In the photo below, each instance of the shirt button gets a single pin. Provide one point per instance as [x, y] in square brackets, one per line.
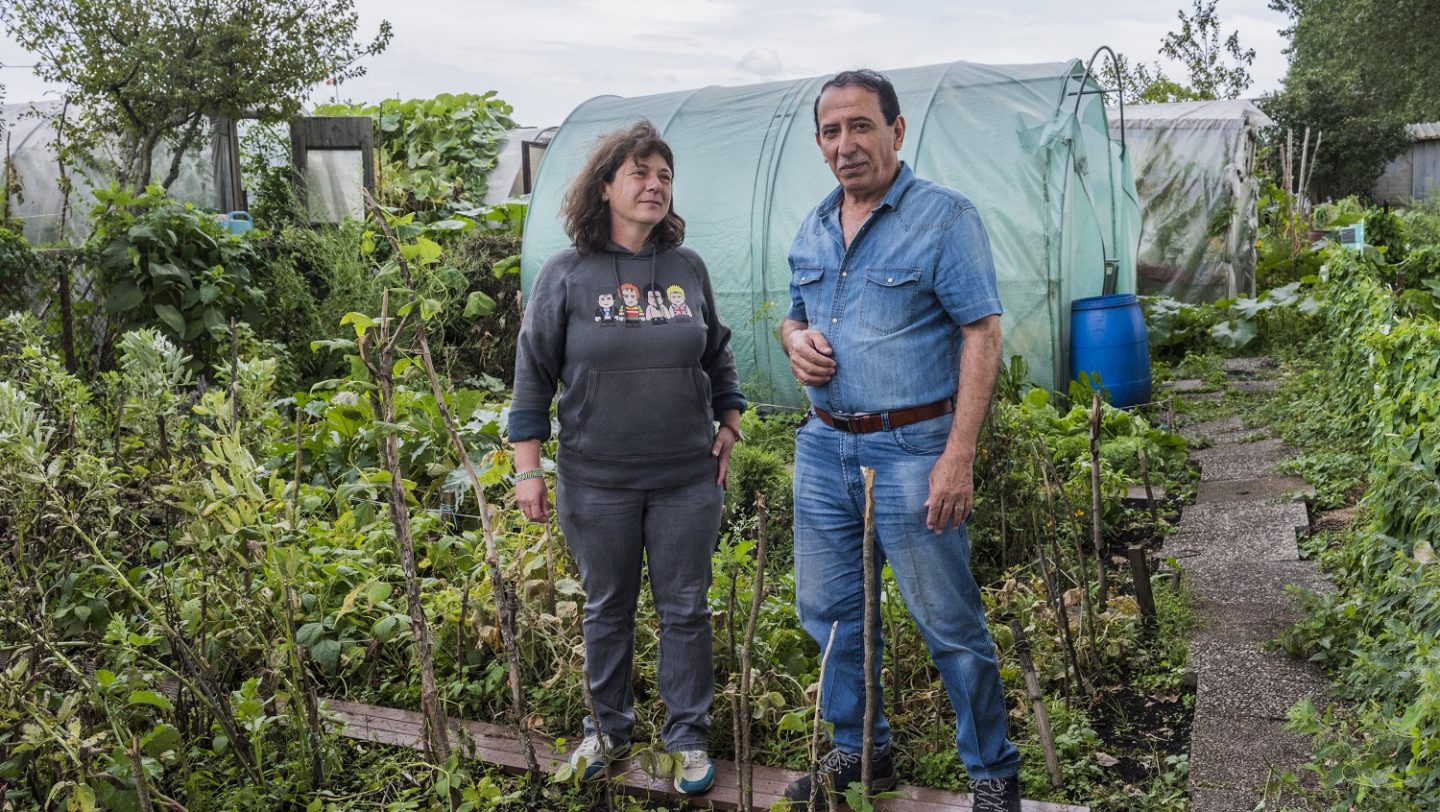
[834, 321]
[844, 273]
[889, 279]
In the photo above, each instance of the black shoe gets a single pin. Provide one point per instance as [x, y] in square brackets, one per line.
[997, 795]
[837, 771]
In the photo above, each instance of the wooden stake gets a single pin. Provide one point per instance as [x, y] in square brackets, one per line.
[746, 765]
[1037, 702]
[867, 747]
[1140, 573]
[1096, 508]
[1149, 492]
[67, 318]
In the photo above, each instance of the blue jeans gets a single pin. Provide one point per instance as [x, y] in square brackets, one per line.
[932, 571]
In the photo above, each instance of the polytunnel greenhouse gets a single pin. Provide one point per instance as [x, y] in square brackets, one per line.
[1022, 141]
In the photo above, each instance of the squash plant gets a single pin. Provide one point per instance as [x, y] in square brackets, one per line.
[164, 264]
[435, 153]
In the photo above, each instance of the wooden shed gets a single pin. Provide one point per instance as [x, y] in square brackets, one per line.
[1415, 173]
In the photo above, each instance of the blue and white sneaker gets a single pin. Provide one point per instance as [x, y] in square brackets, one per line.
[594, 759]
[697, 774]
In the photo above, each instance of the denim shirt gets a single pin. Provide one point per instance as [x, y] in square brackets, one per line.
[892, 305]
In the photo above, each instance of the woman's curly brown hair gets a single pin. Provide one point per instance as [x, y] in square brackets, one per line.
[587, 215]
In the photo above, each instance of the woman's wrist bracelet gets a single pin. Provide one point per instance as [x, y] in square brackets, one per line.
[529, 473]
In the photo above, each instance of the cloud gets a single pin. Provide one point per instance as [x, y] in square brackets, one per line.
[761, 62]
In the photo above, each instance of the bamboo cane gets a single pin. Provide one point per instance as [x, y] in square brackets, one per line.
[1037, 702]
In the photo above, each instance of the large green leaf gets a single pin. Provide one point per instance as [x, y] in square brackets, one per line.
[123, 296]
[151, 698]
[172, 318]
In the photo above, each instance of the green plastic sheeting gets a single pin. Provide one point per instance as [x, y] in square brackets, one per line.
[1055, 193]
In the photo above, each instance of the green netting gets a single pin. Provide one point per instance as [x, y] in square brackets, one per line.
[1056, 196]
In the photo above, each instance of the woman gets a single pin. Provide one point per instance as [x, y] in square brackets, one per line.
[622, 497]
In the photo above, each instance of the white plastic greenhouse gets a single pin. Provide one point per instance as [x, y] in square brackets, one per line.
[1032, 153]
[38, 201]
[1194, 171]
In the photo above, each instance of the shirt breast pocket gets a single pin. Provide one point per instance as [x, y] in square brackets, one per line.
[887, 300]
[807, 280]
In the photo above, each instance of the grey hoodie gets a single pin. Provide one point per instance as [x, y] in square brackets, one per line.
[645, 362]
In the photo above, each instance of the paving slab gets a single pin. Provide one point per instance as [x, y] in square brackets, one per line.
[1258, 582]
[1236, 677]
[1275, 490]
[1206, 799]
[1255, 386]
[1135, 494]
[1237, 532]
[1244, 755]
[1186, 385]
[1201, 396]
[1259, 366]
[1242, 460]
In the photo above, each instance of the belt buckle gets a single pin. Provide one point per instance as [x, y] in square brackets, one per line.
[841, 421]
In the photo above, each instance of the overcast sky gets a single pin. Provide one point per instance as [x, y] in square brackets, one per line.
[547, 56]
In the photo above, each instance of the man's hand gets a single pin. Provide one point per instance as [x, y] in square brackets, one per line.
[952, 491]
[810, 355]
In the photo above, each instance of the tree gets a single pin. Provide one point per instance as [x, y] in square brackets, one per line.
[1359, 71]
[143, 71]
[1218, 69]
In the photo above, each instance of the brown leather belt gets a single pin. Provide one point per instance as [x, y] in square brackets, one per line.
[881, 421]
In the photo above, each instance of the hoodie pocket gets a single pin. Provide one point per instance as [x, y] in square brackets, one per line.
[637, 413]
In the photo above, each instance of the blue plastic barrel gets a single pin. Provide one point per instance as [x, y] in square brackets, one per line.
[1108, 340]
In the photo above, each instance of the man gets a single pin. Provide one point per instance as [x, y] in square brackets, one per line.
[894, 329]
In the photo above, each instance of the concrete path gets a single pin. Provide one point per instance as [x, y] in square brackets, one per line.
[1237, 548]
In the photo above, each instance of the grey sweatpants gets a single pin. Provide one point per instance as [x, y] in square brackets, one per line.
[609, 532]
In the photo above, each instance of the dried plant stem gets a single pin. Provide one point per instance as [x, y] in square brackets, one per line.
[1097, 525]
[437, 738]
[599, 735]
[815, 730]
[1149, 491]
[492, 552]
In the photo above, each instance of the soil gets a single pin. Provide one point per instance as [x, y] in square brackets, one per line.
[1141, 729]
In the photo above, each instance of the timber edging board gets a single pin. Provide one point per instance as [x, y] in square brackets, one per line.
[496, 744]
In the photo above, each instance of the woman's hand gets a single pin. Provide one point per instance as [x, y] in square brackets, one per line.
[725, 439]
[534, 499]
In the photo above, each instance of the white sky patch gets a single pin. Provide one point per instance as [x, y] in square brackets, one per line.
[762, 62]
[548, 56]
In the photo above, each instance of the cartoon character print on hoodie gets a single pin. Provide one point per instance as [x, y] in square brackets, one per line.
[630, 309]
[655, 308]
[678, 309]
[605, 311]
